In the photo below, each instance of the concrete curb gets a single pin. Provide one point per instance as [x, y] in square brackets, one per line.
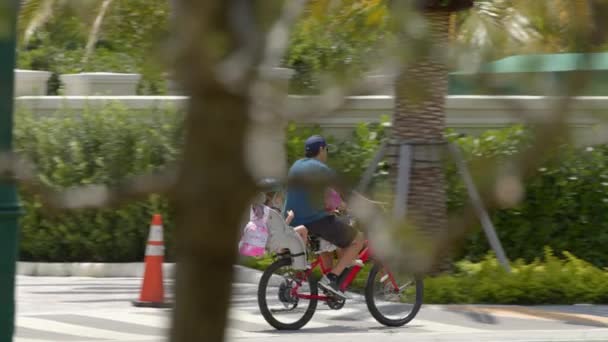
[86, 269]
[109, 270]
[246, 275]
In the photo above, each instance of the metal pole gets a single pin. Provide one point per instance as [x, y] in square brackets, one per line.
[486, 223]
[9, 207]
[403, 181]
[369, 172]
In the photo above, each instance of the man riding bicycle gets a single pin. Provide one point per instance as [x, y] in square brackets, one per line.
[309, 178]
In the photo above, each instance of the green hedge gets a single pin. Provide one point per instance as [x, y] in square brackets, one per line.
[97, 146]
[552, 280]
[565, 205]
[547, 280]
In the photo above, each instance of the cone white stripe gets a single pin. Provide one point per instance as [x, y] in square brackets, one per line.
[152, 250]
[156, 233]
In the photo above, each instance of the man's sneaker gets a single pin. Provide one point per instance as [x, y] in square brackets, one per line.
[329, 283]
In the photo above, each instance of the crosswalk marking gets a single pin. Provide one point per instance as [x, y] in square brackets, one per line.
[323, 318]
[112, 318]
[257, 326]
[160, 320]
[72, 329]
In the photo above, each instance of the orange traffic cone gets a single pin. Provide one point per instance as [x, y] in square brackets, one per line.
[152, 291]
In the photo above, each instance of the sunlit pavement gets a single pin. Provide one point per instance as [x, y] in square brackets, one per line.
[99, 309]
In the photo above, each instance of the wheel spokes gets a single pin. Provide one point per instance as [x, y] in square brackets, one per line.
[393, 294]
[283, 295]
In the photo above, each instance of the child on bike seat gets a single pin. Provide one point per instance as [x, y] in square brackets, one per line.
[275, 200]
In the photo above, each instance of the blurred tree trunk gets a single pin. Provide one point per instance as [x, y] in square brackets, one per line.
[598, 16]
[213, 184]
[419, 118]
[212, 192]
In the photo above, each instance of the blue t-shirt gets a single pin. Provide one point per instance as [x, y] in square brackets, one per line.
[307, 202]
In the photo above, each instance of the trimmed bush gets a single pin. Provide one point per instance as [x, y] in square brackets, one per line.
[552, 280]
[547, 280]
[565, 205]
[101, 146]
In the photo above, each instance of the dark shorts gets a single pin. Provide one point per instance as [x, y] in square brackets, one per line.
[333, 230]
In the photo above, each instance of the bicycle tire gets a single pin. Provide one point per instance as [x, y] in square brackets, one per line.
[373, 309]
[262, 303]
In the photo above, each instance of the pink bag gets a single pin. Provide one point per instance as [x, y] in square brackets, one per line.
[255, 235]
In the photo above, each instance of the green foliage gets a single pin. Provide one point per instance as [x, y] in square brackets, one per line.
[546, 280]
[565, 204]
[131, 34]
[257, 263]
[483, 154]
[552, 280]
[355, 154]
[339, 39]
[97, 146]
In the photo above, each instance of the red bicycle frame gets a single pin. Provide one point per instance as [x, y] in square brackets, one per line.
[364, 256]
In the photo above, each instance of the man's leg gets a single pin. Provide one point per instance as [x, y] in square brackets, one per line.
[326, 253]
[349, 254]
[328, 260]
[343, 236]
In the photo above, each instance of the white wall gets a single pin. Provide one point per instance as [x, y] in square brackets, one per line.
[467, 114]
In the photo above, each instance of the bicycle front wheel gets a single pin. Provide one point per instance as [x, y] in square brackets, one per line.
[286, 297]
[393, 299]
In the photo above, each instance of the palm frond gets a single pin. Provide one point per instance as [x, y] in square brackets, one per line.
[495, 24]
[96, 29]
[33, 15]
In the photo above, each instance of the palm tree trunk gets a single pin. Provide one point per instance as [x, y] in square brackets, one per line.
[420, 118]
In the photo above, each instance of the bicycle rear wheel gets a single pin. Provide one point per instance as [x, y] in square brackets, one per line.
[393, 299]
[277, 296]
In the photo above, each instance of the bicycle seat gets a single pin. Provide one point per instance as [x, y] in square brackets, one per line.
[281, 236]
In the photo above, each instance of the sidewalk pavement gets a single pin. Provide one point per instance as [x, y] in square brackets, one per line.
[593, 315]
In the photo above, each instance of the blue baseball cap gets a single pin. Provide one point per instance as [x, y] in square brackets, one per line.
[315, 143]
